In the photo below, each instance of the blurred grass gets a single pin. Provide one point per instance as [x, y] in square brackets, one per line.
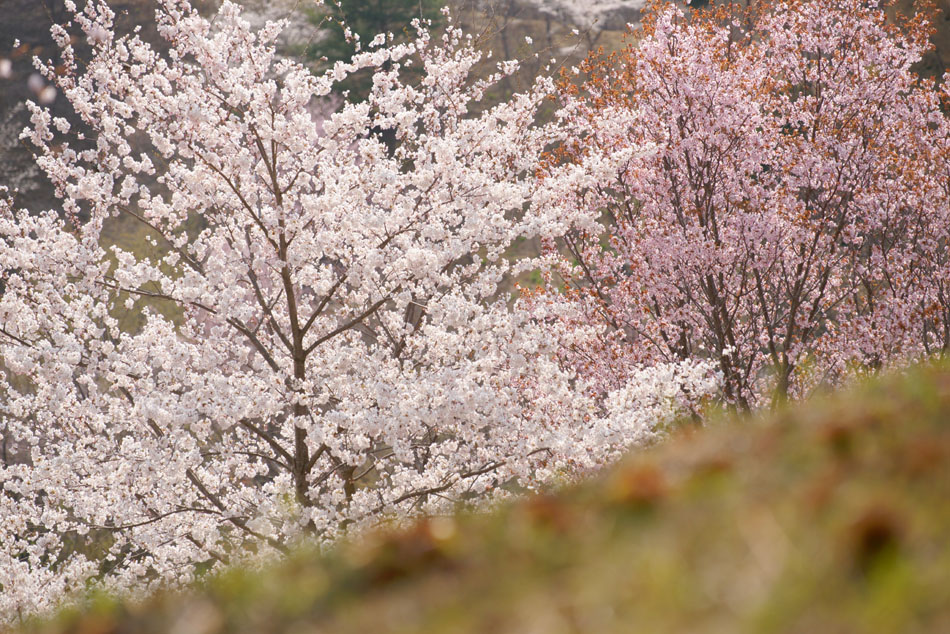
[828, 516]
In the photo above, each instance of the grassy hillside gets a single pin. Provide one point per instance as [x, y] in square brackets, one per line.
[828, 517]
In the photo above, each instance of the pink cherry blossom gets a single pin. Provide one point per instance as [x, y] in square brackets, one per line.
[765, 189]
[327, 339]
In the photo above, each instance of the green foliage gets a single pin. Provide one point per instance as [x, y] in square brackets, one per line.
[366, 19]
[829, 516]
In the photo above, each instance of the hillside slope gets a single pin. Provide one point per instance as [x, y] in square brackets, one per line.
[826, 517]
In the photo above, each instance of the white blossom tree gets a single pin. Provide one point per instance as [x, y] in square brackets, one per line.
[325, 337]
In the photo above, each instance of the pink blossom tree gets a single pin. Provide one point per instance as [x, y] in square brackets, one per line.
[327, 340]
[330, 302]
[790, 222]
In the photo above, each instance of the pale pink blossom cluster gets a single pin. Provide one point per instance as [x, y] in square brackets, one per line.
[327, 341]
[774, 188]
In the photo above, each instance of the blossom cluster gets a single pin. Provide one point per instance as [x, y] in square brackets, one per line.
[766, 189]
[326, 338]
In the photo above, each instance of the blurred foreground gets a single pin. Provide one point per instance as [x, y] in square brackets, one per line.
[830, 516]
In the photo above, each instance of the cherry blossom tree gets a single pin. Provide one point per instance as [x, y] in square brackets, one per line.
[327, 340]
[790, 222]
